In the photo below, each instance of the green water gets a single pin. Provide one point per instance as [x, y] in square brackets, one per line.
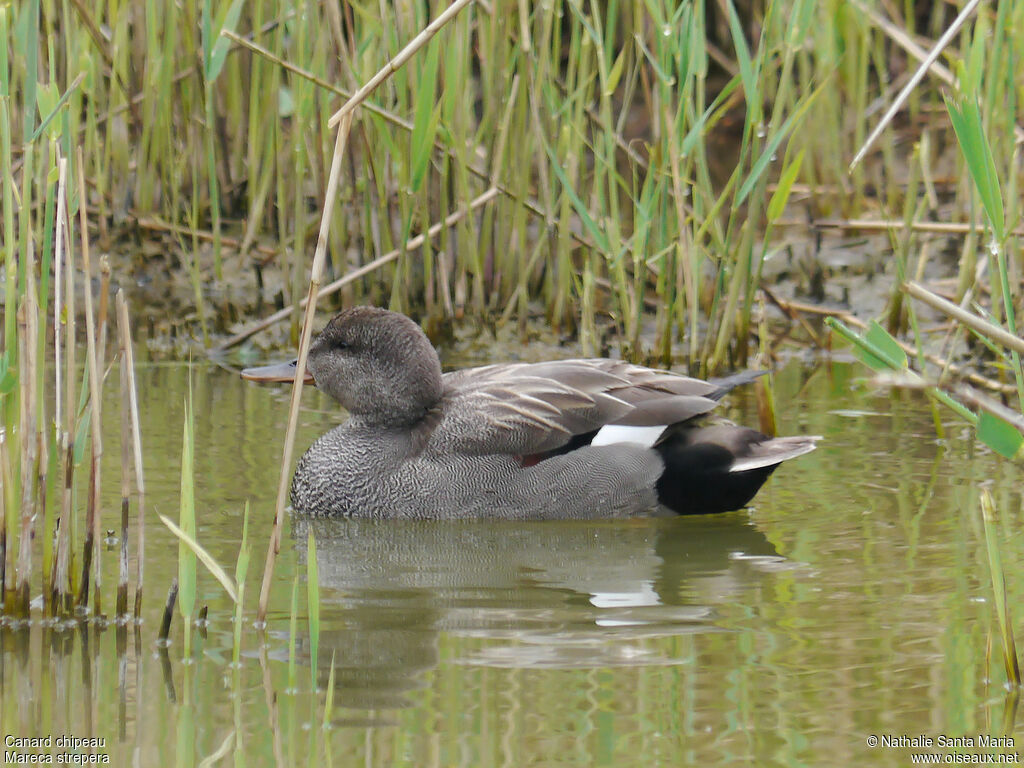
[852, 599]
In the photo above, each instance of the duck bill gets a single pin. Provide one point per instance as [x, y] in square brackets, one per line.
[279, 372]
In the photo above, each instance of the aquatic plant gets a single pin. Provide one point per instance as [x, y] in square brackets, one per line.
[499, 175]
[313, 606]
[187, 526]
[241, 568]
[1007, 644]
[1000, 427]
[596, 126]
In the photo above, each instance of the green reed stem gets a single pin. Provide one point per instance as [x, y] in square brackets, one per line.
[313, 606]
[1009, 647]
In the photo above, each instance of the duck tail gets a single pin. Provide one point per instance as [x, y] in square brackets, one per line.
[721, 468]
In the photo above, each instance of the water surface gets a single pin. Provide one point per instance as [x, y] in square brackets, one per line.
[852, 599]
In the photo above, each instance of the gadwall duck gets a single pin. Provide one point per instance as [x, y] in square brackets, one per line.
[565, 439]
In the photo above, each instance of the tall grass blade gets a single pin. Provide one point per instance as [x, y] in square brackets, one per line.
[187, 528]
[91, 550]
[329, 698]
[398, 61]
[27, 323]
[1000, 436]
[126, 457]
[597, 232]
[426, 117]
[779, 198]
[877, 349]
[55, 108]
[136, 445]
[241, 568]
[62, 596]
[293, 629]
[313, 604]
[965, 115]
[216, 569]
[219, 47]
[316, 272]
[1009, 647]
[748, 75]
[163, 636]
[27, 33]
[8, 377]
[916, 78]
[768, 154]
[7, 505]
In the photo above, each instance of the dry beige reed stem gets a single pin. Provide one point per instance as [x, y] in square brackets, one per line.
[906, 42]
[939, 227]
[343, 119]
[126, 451]
[92, 533]
[5, 507]
[319, 258]
[104, 311]
[416, 242]
[916, 78]
[28, 321]
[58, 263]
[124, 328]
[484, 174]
[979, 402]
[60, 583]
[982, 326]
[399, 60]
[794, 309]
[60, 240]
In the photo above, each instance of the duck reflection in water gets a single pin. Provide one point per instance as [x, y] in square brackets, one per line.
[557, 594]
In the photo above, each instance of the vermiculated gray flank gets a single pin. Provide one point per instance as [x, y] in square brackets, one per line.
[513, 440]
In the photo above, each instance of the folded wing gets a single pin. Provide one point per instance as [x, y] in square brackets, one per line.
[533, 408]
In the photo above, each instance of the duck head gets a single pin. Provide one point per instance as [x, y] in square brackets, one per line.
[378, 365]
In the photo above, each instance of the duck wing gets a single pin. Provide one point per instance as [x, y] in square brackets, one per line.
[532, 408]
